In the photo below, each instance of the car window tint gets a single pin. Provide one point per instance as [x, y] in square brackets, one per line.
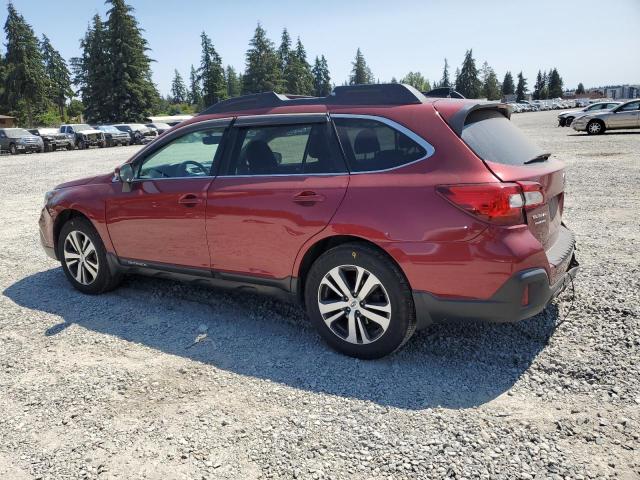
[286, 150]
[630, 106]
[371, 145]
[191, 155]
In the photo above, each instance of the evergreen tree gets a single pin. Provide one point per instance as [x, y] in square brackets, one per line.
[394, 80]
[91, 72]
[321, 78]
[580, 89]
[178, 89]
[133, 94]
[457, 76]
[521, 89]
[211, 73]
[263, 70]
[284, 50]
[26, 79]
[417, 81]
[445, 82]
[361, 73]
[3, 79]
[468, 83]
[555, 84]
[195, 90]
[539, 86]
[298, 77]
[490, 84]
[508, 88]
[58, 76]
[234, 83]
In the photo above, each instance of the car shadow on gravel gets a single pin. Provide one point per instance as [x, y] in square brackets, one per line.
[454, 365]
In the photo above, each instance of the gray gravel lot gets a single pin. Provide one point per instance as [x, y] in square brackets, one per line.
[160, 380]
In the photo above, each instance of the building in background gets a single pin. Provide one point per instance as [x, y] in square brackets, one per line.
[623, 92]
[7, 122]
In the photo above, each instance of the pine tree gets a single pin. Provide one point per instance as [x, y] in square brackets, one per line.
[361, 73]
[26, 79]
[298, 77]
[321, 78]
[521, 89]
[580, 89]
[263, 71]
[555, 84]
[234, 83]
[445, 82]
[58, 76]
[508, 88]
[178, 89]
[417, 81]
[91, 72]
[133, 94]
[490, 86]
[195, 90]
[468, 83]
[284, 50]
[211, 73]
[3, 79]
[539, 86]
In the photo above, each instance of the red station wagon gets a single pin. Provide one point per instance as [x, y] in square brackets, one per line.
[377, 208]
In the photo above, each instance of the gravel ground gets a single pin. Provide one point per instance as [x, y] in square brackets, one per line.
[160, 380]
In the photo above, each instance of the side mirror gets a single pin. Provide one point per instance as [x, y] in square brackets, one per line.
[124, 173]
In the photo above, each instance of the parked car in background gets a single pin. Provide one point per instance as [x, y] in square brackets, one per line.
[53, 139]
[565, 118]
[159, 126]
[113, 136]
[138, 133]
[83, 135]
[19, 140]
[378, 220]
[623, 116]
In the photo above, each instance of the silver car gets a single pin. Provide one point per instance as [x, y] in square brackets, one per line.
[565, 118]
[626, 115]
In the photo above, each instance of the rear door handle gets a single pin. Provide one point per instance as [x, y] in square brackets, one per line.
[308, 198]
[189, 200]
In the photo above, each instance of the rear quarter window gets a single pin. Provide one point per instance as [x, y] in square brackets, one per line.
[494, 138]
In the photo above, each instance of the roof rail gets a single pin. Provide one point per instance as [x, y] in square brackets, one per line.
[373, 94]
[443, 92]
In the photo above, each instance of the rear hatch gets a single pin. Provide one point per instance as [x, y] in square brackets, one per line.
[512, 157]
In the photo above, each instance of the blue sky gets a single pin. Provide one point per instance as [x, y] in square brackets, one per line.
[589, 41]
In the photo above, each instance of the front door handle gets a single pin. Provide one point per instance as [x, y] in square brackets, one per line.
[308, 198]
[189, 200]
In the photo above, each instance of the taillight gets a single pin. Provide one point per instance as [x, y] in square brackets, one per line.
[500, 203]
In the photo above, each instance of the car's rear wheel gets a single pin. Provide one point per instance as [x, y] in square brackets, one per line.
[359, 301]
[84, 258]
[13, 149]
[595, 127]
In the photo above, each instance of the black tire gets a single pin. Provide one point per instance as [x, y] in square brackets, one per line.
[105, 280]
[81, 145]
[595, 127]
[394, 288]
[13, 149]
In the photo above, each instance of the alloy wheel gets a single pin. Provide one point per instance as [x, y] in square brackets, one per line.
[81, 257]
[354, 304]
[595, 127]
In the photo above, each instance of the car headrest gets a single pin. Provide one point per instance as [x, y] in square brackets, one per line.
[260, 158]
[366, 142]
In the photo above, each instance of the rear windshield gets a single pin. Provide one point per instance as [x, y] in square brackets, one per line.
[494, 138]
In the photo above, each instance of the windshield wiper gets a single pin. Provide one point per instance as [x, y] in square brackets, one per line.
[543, 157]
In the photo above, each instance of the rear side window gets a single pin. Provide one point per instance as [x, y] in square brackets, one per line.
[371, 145]
[286, 150]
[494, 138]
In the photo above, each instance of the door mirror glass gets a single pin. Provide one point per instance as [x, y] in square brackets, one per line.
[125, 173]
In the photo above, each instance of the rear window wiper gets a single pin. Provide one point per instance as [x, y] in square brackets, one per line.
[543, 157]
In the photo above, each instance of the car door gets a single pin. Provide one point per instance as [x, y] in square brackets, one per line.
[282, 180]
[161, 219]
[625, 116]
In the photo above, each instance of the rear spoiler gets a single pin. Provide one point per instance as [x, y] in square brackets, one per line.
[459, 119]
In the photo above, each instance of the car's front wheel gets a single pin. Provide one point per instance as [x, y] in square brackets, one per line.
[360, 301]
[595, 127]
[13, 149]
[84, 258]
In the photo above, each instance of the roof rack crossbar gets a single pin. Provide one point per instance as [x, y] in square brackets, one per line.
[374, 94]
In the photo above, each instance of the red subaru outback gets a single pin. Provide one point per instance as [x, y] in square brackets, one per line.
[380, 209]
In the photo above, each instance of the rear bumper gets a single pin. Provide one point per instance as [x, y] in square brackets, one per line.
[523, 295]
